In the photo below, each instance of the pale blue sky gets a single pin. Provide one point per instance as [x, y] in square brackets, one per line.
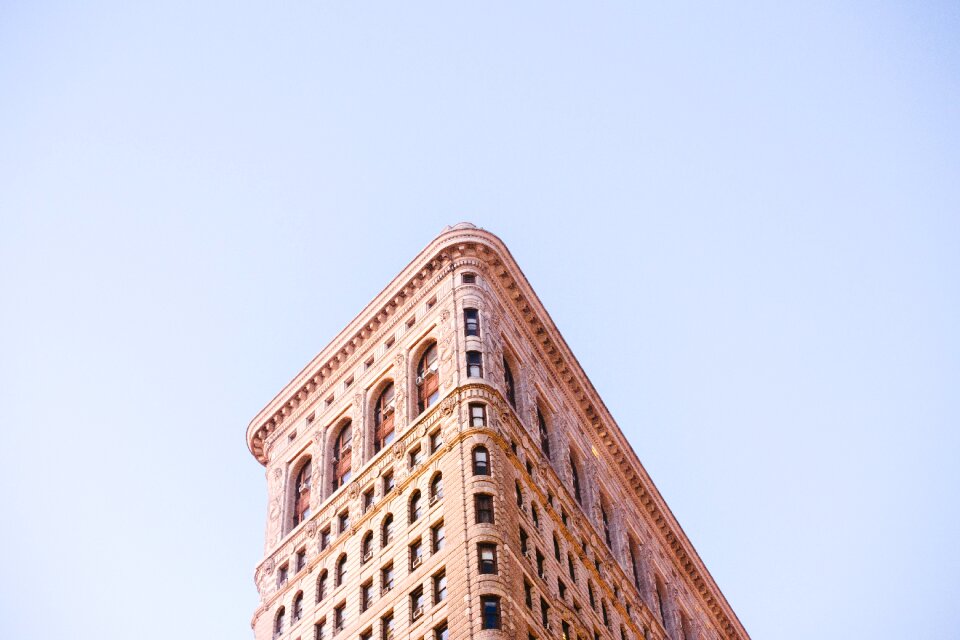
[763, 197]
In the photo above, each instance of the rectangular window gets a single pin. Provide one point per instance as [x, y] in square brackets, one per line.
[386, 578]
[524, 538]
[367, 635]
[478, 415]
[437, 537]
[545, 613]
[343, 522]
[339, 617]
[301, 559]
[487, 558]
[320, 630]
[471, 322]
[366, 595]
[436, 441]
[483, 506]
[416, 603]
[490, 607]
[325, 538]
[386, 627]
[282, 574]
[388, 482]
[367, 499]
[416, 456]
[474, 364]
[528, 594]
[416, 554]
[439, 587]
[440, 632]
[561, 589]
[540, 560]
[468, 278]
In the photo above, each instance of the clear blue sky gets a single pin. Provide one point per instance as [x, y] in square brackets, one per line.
[763, 198]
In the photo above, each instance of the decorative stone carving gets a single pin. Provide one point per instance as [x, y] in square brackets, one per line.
[446, 408]
[311, 528]
[275, 508]
[397, 450]
[444, 315]
[354, 491]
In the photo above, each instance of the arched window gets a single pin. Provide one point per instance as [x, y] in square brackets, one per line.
[366, 547]
[341, 569]
[322, 586]
[298, 606]
[278, 622]
[386, 530]
[342, 455]
[575, 474]
[481, 461]
[301, 494]
[544, 434]
[428, 381]
[416, 507]
[509, 385]
[436, 488]
[383, 419]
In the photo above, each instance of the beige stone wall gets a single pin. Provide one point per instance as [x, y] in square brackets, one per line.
[306, 423]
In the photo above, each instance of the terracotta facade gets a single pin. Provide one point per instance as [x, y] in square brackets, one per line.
[581, 544]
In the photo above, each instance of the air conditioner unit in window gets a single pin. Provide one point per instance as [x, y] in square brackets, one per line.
[418, 612]
[416, 562]
[387, 410]
[366, 557]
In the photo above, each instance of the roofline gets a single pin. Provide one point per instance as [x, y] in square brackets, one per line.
[437, 257]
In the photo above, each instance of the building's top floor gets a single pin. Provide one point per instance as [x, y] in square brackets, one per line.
[421, 288]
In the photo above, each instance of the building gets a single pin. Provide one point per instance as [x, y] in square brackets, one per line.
[445, 470]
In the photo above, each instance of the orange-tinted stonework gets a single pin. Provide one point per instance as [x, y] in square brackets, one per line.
[445, 469]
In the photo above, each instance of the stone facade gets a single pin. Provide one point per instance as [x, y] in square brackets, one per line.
[582, 544]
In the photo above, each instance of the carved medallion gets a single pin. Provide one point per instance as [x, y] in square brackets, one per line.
[447, 407]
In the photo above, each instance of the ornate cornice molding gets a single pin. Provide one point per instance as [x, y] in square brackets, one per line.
[503, 271]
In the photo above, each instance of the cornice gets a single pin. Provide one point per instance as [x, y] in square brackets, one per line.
[516, 293]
